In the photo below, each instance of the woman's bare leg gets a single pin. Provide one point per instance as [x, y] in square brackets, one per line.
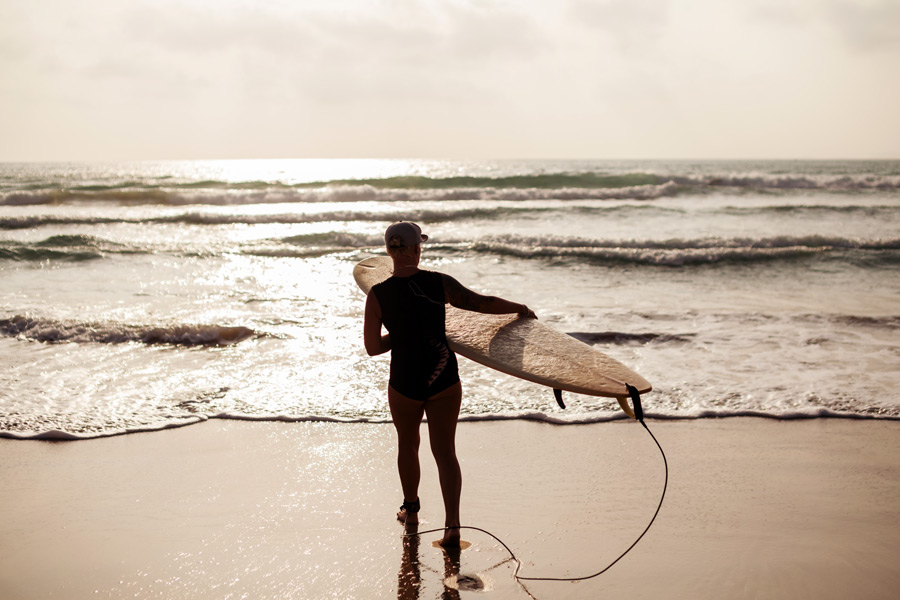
[442, 411]
[407, 416]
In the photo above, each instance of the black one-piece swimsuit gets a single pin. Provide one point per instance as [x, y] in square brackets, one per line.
[412, 310]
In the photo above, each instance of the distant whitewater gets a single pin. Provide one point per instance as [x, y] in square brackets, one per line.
[140, 296]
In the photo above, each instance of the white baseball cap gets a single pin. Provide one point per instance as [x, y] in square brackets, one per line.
[404, 234]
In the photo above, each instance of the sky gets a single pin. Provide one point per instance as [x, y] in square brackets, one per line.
[467, 79]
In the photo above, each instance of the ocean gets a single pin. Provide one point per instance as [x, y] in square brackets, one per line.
[145, 295]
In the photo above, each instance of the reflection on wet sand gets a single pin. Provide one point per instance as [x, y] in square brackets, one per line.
[409, 579]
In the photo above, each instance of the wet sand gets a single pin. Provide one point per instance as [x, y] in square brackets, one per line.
[755, 508]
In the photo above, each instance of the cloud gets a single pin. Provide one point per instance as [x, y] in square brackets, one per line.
[867, 26]
[441, 77]
[402, 52]
[636, 25]
[864, 25]
[202, 32]
[400, 33]
[487, 35]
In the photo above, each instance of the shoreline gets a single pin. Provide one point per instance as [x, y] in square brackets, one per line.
[55, 435]
[754, 508]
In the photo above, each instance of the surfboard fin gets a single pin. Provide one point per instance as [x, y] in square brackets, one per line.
[623, 403]
[558, 394]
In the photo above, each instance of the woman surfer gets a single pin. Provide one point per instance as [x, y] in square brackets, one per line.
[423, 378]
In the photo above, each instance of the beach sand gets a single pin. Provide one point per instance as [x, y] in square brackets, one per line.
[231, 509]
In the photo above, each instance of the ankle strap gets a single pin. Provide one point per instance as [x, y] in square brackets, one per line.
[411, 507]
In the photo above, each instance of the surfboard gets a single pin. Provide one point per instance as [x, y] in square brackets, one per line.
[525, 348]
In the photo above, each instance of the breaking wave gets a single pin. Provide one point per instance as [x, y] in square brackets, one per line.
[668, 252]
[53, 331]
[589, 184]
[625, 338]
[681, 252]
[236, 195]
[65, 248]
[423, 215]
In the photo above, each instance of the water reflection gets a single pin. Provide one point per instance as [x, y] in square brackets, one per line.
[451, 573]
[409, 578]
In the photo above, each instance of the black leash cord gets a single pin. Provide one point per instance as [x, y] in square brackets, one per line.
[601, 572]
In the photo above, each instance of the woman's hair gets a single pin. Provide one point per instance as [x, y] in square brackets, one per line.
[403, 251]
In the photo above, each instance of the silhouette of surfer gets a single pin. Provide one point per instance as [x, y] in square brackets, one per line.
[424, 380]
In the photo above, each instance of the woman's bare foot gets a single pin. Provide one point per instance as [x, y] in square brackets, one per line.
[409, 512]
[407, 518]
[451, 536]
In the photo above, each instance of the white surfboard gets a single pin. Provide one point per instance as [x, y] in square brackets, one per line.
[525, 348]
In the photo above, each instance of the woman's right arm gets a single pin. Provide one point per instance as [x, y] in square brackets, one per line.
[462, 297]
[375, 342]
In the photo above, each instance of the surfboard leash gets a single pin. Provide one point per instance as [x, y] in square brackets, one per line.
[639, 415]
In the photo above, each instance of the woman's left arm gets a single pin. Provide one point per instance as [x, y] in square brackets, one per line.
[462, 297]
[375, 342]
